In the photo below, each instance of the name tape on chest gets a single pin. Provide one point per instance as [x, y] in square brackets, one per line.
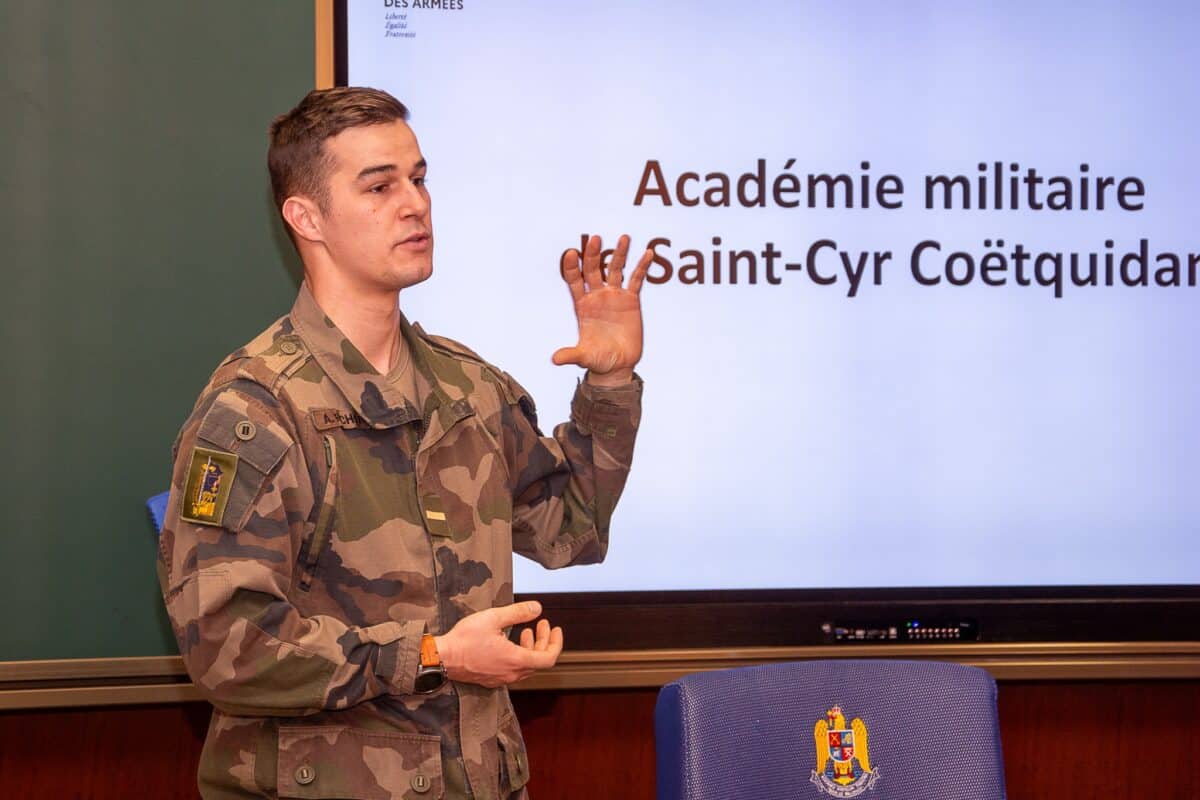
[328, 418]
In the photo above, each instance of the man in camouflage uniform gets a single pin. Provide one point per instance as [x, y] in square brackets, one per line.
[349, 488]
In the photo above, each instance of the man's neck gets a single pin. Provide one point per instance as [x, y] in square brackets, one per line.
[371, 321]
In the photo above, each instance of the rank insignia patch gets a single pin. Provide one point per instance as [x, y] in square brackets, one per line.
[838, 746]
[209, 481]
[435, 515]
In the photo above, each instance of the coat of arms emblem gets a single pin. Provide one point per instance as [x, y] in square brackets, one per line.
[839, 746]
[204, 504]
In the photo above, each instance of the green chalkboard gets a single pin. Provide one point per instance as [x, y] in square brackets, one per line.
[140, 246]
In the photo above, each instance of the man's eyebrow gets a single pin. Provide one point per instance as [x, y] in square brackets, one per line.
[422, 164]
[375, 170]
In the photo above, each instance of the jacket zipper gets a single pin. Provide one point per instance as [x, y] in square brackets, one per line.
[320, 534]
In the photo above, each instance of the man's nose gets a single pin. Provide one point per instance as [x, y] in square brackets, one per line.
[415, 202]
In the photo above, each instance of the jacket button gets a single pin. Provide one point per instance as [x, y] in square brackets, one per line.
[420, 783]
[305, 775]
[288, 347]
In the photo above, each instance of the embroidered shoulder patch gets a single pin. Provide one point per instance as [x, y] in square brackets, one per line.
[209, 481]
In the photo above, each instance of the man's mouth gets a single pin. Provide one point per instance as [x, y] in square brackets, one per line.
[417, 240]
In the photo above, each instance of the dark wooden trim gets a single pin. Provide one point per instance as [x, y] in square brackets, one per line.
[154, 680]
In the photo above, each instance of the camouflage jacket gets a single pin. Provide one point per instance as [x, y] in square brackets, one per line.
[320, 522]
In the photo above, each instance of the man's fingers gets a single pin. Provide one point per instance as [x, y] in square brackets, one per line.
[540, 659]
[639, 272]
[543, 655]
[568, 267]
[527, 639]
[505, 616]
[542, 639]
[568, 355]
[616, 264]
[555, 645]
[591, 264]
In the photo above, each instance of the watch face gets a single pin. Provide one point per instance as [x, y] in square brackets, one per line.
[429, 679]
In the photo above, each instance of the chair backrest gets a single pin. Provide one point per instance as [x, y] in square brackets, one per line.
[157, 506]
[882, 730]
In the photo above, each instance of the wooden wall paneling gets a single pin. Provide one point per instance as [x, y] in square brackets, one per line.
[102, 754]
[597, 744]
[1103, 740]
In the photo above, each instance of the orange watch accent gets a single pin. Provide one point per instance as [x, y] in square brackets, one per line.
[429, 651]
[431, 673]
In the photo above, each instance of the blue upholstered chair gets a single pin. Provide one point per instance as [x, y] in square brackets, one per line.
[879, 730]
[157, 506]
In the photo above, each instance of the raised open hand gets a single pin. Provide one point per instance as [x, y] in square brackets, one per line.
[609, 314]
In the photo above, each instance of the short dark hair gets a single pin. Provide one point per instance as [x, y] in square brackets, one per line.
[296, 158]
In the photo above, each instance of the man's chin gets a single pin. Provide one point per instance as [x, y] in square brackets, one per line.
[412, 277]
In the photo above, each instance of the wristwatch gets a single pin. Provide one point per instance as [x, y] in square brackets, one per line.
[431, 674]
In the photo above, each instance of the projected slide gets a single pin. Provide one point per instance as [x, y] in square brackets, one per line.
[923, 310]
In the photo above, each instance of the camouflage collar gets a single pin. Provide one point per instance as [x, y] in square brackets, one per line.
[370, 394]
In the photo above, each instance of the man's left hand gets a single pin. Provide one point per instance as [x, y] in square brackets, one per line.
[609, 313]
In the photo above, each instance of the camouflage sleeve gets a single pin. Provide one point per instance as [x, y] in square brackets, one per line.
[565, 487]
[240, 507]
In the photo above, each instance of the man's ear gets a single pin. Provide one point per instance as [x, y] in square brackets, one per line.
[303, 217]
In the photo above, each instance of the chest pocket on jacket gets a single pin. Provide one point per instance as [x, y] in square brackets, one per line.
[367, 557]
[464, 486]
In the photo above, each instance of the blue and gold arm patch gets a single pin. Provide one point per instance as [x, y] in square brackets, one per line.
[238, 447]
[209, 483]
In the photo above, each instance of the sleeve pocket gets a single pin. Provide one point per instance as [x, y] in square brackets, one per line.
[338, 762]
[235, 424]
